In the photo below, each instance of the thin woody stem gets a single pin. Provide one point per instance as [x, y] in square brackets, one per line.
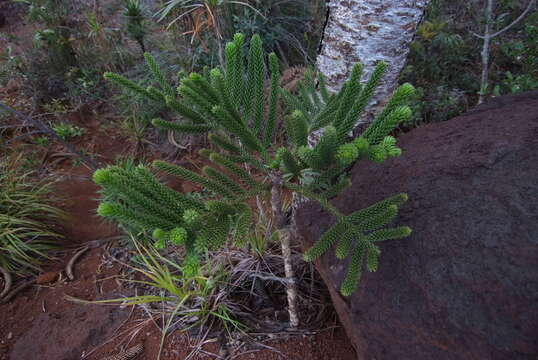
[285, 236]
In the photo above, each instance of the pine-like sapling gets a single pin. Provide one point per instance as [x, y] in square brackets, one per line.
[240, 118]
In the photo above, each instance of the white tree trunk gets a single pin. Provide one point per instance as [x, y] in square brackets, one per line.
[368, 31]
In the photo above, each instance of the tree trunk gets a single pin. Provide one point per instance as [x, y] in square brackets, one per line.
[368, 31]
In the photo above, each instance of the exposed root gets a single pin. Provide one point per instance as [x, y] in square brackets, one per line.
[15, 291]
[69, 267]
[128, 354]
[7, 281]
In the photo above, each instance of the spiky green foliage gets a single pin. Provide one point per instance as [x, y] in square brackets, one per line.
[254, 93]
[297, 128]
[228, 104]
[188, 175]
[234, 169]
[157, 73]
[136, 24]
[178, 236]
[325, 151]
[349, 285]
[181, 128]
[135, 198]
[273, 100]
[128, 84]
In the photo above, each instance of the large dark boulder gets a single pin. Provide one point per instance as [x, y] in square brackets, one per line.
[464, 285]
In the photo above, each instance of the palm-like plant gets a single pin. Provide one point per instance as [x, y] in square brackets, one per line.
[136, 27]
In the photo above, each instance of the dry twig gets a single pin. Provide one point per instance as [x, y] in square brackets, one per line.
[69, 267]
[128, 354]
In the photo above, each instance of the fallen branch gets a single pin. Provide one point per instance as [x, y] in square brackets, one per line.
[69, 267]
[7, 281]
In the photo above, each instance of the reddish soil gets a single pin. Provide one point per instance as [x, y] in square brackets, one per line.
[40, 323]
[40, 320]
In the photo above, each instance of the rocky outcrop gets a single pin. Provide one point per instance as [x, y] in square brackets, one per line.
[465, 284]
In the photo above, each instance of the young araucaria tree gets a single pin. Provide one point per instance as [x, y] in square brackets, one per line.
[241, 120]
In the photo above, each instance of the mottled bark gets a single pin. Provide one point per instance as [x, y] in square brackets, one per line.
[368, 31]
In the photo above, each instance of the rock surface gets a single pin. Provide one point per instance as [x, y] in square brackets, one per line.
[63, 335]
[465, 284]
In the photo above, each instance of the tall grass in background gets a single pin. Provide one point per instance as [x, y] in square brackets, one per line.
[290, 28]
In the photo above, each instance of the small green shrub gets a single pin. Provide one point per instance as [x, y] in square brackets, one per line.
[67, 131]
[136, 22]
[230, 106]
